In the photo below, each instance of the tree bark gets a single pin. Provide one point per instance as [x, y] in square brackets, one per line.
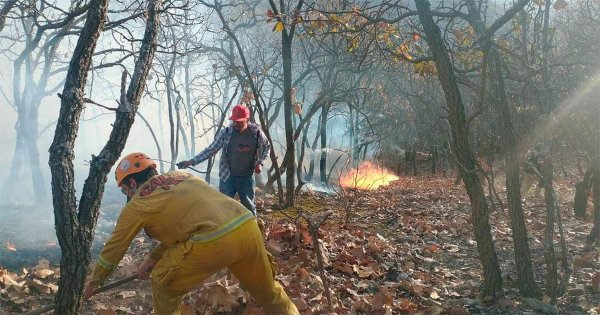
[525, 279]
[549, 253]
[286, 55]
[75, 222]
[492, 277]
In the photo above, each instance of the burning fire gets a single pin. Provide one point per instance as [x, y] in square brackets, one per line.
[367, 176]
[10, 246]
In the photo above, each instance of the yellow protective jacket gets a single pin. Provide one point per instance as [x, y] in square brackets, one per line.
[172, 208]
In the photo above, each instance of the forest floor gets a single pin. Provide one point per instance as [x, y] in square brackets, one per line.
[408, 249]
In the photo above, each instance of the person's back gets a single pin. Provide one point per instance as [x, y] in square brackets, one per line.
[176, 205]
[533, 169]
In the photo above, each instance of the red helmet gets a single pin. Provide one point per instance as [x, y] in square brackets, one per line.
[239, 113]
[131, 164]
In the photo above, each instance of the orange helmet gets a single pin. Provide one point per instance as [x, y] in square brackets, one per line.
[131, 164]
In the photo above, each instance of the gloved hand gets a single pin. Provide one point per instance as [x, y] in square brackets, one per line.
[90, 287]
[145, 268]
[184, 164]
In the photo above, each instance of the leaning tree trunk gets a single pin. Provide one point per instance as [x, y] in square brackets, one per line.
[492, 277]
[75, 222]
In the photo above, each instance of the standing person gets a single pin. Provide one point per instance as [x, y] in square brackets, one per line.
[533, 169]
[200, 231]
[244, 150]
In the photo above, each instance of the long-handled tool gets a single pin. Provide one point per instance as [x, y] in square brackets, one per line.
[101, 289]
[179, 166]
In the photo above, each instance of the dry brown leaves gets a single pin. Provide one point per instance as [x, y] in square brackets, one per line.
[409, 249]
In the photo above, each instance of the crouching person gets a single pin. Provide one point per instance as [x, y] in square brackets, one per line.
[200, 230]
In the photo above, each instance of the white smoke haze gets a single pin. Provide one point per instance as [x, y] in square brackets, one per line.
[370, 109]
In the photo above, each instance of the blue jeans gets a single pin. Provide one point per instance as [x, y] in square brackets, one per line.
[243, 186]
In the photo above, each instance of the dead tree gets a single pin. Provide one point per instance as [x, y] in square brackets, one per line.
[76, 219]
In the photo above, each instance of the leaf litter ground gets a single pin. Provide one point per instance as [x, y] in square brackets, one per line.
[407, 248]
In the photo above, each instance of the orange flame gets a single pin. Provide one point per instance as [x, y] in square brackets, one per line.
[367, 176]
[10, 246]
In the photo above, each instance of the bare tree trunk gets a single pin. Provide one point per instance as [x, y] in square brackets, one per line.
[302, 179]
[352, 131]
[323, 132]
[581, 199]
[594, 171]
[17, 168]
[492, 277]
[33, 154]
[173, 130]
[434, 159]
[525, 279]
[76, 221]
[286, 55]
[188, 90]
[549, 254]
[413, 160]
[74, 238]
[311, 166]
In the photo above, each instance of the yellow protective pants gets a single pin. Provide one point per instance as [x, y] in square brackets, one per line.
[185, 266]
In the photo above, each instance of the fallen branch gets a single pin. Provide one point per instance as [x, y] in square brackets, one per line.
[104, 288]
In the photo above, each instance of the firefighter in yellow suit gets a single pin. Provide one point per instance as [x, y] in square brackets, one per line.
[200, 230]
